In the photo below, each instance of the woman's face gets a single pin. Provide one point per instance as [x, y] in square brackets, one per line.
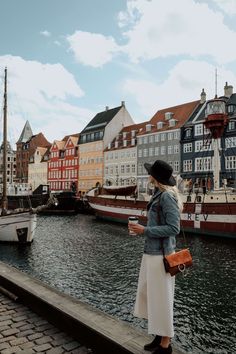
[152, 180]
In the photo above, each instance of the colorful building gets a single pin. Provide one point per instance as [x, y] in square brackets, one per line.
[94, 138]
[26, 147]
[63, 164]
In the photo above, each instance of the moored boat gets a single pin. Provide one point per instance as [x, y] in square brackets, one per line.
[15, 226]
[210, 210]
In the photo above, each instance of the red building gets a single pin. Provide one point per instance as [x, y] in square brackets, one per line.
[26, 147]
[63, 164]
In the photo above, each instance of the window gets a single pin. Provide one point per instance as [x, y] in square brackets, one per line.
[230, 162]
[163, 150]
[157, 138]
[170, 149]
[157, 150]
[231, 125]
[188, 147]
[203, 164]
[176, 135]
[230, 142]
[151, 139]
[151, 151]
[202, 146]
[170, 136]
[122, 168]
[145, 139]
[163, 137]
[140, 153]
[176, 166]
[140, 141]
[231, 108]
[145, 152]
[198, 129]
[187, 165]
[159, 125]
[188, 133]
[133, 170]
[176, 149]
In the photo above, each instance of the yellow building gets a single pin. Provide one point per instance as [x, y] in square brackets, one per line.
[94, 138]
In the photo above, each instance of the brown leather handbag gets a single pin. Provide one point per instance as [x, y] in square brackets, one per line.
[177, 262]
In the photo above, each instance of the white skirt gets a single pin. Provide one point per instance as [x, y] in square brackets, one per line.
[155, 296]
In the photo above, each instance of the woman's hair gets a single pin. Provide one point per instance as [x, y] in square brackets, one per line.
[174, 191]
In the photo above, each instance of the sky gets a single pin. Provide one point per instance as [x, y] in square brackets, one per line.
[69, 59]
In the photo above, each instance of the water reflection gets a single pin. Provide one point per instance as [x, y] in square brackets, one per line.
[99, 263]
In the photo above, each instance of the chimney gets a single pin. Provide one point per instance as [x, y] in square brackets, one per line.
[107, 108]
[123, 103]
[203, 96]
[228, 90]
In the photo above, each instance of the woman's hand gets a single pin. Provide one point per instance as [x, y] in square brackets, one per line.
[136, 228]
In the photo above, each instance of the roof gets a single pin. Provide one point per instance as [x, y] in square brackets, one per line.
[26, 133]
[128, 129]
[59, 143]
[180, 113]
[76, 135]
[101, 119]
[232, 99]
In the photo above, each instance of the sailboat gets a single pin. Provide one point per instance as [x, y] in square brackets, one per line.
[18, 225]
[207, 213]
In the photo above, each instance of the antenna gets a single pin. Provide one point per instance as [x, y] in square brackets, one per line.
[216, 83]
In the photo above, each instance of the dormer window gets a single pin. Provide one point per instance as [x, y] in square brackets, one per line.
[148, 127]
[125, 143]
[133, 142]
[231, 109]
[116, 144]
[160, 125]
[133, 133]
[172, 122]
[124, 135]
[168, 115]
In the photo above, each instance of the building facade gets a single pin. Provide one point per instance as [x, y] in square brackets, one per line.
[26, 147]
[11, 164]
[94, 139]
[160, 140]
[120, 157]
[38, 169]
[63, 164]
[197, 147]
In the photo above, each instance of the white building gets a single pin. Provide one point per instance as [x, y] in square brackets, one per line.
[37, 173]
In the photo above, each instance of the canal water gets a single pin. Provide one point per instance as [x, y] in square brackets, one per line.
[98, 263]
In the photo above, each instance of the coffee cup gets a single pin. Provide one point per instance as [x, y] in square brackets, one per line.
[134, 220]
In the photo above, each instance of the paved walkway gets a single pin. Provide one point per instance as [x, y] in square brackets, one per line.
[23, 331]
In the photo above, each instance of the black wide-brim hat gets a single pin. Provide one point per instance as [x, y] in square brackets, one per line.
[161, 171]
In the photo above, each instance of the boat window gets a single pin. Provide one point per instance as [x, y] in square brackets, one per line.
[199, 199]
[189, 198]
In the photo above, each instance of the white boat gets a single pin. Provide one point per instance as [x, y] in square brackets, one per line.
[18, 225]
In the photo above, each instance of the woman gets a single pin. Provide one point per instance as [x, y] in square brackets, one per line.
[155, 294]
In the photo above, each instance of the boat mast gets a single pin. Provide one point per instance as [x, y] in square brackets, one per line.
[4, 194]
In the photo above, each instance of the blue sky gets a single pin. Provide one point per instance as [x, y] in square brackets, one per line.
[68, 59]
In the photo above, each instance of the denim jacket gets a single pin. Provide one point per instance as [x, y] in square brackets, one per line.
[162, 229]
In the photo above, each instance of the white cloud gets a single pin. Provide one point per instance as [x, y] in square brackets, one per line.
[163, 28]
[158, 29]
[228, 6]
[91, 48]
[42, 93]
[45, 33]
[57, 43]
[184, 84]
